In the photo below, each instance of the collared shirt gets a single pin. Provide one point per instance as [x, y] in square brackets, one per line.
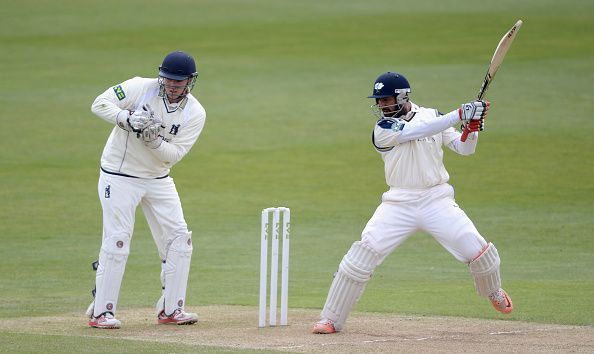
[127, 154]
[411, 147]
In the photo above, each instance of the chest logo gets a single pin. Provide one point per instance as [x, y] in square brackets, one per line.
[174, 129]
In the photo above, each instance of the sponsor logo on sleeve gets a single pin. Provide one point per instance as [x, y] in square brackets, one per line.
[119, 91]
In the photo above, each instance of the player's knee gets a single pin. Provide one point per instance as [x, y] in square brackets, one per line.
[179, 248]
[486, 261]
[360, 262]
[182, 243]
[369, 239]
[485, 270]
[117, 245]
[466, 246]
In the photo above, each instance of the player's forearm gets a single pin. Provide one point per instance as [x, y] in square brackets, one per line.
[429, 127]
[467, 147]
[403, 131]
[106, 109]
[170, 153]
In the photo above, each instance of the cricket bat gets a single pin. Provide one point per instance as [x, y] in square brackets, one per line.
[496, 61]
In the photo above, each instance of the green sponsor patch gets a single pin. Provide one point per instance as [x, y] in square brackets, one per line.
[119, 91]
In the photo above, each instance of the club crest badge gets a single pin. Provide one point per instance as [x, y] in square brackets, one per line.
[174, 129]
[378, 86]
[397, 126]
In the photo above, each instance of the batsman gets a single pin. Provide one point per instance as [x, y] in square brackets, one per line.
[409, 139]
[157, 121]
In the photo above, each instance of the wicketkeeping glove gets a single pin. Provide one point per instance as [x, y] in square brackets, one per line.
[142, 119]
[151, 135]
[474, 110]
[123, 121]
[139, 120]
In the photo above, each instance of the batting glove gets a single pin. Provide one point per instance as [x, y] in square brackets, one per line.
[471, 111]
[475, 125]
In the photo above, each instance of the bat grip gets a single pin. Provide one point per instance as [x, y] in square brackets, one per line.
[464, 134]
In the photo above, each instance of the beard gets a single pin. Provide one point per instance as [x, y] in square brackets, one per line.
[394, 111]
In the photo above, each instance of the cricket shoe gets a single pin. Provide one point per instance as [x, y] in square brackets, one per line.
[179, 317]
[501, 301]
[105, 320]
[324, 327]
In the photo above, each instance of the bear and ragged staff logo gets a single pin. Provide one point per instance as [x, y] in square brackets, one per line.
[174, 129]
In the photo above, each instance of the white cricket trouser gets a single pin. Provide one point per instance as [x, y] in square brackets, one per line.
[120, 196]
[433, 210]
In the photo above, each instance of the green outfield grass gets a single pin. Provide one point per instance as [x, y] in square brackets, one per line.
[30, 343]
[284, 85]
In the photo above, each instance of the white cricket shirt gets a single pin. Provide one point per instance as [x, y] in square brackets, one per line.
[411, 147]
[124, 152]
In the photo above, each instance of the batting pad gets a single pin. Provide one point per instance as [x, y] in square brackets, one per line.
[112, 263]
[354, 272]
[175, 271]
[91, 309]
[485, 270]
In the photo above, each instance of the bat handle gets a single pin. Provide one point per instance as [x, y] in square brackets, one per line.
[464, 134]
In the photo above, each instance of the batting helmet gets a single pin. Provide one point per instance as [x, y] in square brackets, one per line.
[390, 84]
[178, 66]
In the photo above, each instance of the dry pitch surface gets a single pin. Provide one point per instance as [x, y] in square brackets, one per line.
[235, 327]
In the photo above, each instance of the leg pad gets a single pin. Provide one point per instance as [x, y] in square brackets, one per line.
[485, 271]
[174, 274]
[110, 271]
[354, 272]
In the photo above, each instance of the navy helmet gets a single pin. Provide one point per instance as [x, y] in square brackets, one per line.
[390, 84]
[178, 66]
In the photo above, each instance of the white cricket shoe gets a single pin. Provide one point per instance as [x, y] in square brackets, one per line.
[179, 317]
[105, 320]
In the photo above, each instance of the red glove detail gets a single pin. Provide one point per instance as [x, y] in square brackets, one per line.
[475, 125]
